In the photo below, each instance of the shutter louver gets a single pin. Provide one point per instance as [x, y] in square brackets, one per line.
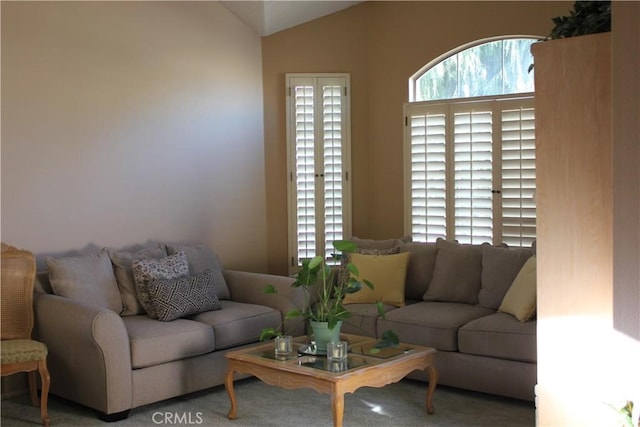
[472, 179]
[428, 161]
[305, 171]
[518, 177]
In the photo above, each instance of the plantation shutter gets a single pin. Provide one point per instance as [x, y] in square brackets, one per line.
[470, 170]
[518, 176]
[318, 143]
[473, 168]
[427, 177]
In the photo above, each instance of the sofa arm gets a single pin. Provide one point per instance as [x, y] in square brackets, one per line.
[248, 288]
[89, 356]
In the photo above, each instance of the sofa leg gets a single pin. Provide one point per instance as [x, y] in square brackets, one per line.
[110, 418]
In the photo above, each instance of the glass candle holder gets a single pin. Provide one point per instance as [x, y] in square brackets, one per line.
[337, 351]
[283, 345]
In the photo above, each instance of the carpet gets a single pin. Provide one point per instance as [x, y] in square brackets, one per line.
[259, 405]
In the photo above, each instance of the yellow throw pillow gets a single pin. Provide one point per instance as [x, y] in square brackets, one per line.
[520, 299]
[386, 272]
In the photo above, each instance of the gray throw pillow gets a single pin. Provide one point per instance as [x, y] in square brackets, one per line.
[147, 270]
[122, 261]
[175, 298]
[200, 258]
[379, 244]
[422, 262]
[456, 276]
[88, 279]
[500, 266]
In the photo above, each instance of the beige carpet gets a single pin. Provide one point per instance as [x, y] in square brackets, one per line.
[399, 405]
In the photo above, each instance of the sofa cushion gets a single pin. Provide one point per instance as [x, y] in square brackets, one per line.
[387, 273]
[88, 279]
[379, 244]
[171, 299]
[363, 319]
[420, 269]
[520, 300]
[456, 276]
[160, 294]
[499, 335]
[200, 258]
[153, 342]
[122, 261]
[239, 323]
[432, 324]
[500, 266]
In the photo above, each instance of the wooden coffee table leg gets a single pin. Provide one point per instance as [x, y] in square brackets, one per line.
[337, 407]
[228, 383]
[433, 380]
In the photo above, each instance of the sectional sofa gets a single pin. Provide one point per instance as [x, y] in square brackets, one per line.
[107, 353]
[474, 303]
[122, 333]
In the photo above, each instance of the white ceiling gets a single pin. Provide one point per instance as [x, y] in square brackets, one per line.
[268, 17]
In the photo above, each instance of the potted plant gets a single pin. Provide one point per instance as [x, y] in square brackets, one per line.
[324, 296]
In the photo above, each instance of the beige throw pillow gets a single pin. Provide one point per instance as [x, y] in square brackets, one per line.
[386, 272]
[520, 300]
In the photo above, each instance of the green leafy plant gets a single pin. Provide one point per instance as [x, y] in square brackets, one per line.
[325, 293]
[587, 17]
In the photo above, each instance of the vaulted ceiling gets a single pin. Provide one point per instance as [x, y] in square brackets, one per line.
[268, 17]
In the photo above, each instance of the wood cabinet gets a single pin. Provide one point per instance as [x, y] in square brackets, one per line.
[574, 225]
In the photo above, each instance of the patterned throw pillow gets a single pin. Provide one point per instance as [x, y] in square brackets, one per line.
[146, 270]
[175, 298]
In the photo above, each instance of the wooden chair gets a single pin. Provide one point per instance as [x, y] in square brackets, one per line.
[19, 352]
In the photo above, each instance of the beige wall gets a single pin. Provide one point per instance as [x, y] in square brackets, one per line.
[381, 44]
[128, 121]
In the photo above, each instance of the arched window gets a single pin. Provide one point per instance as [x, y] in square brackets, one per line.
[483, 68]
[469, 145]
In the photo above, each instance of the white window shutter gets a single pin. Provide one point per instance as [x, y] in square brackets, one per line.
[472, 177]
[303, 100]
[318, 144]
[518, 176]
[470, 170]
[427, 177]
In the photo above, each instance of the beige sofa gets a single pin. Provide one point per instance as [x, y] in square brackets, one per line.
[106, 353]
[463, 300]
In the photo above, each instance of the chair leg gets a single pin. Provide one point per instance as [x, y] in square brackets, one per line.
[33, 388]
[44, 398]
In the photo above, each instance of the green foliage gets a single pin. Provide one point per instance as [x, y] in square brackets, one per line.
[324, 293]
[587, 17]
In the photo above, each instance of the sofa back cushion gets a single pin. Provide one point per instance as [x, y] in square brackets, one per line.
[379, 244]
[500, 265]
[456, 276]
[88, 279]
[122, 261]
[422, 262]
[201, 258]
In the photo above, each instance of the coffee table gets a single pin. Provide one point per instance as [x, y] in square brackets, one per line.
[361, 369]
